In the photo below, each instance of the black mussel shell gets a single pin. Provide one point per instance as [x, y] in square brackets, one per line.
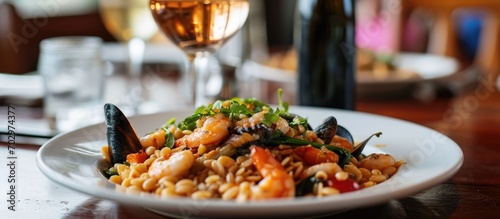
[358, 149]
[327, 130]
[342, 132]
[122, 138]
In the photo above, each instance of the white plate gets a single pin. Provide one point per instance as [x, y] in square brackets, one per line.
[72, 159]
[427, 67]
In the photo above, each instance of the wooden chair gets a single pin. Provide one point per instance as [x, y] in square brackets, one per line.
[20, 38]
[443, 39]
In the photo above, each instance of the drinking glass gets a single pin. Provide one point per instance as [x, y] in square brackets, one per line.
[74, 74]
[130, 21]
[199, 28]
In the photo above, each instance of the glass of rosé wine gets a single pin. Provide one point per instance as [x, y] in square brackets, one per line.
[199, 28]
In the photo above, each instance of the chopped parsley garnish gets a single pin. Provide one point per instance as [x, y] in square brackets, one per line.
[298, 121]
[243, 107]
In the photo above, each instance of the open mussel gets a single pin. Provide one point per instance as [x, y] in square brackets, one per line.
[359, 147]
[344, 133]
[327, 129]
[330, 128]
[122, 138]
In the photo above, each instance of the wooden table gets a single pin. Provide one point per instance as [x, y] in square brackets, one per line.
[471, 118]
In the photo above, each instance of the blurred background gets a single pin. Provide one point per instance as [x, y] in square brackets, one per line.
[419, 46]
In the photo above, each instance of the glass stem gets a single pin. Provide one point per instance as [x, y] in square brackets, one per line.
[191, 79]
[136, 48]
[197, 77]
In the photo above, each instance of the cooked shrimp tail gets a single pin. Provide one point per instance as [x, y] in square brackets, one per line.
[276, 181]
[341, 142]
[155, 139]
[314, 156]
[378, 161]
[214, 129]
[344, 155]
[177, 165]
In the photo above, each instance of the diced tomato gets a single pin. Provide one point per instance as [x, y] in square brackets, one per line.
[138, 157]
[347, 185]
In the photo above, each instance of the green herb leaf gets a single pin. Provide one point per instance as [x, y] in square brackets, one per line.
[259, 106]
[238, 109]
[217, 104]
[200, 110]
[169, 122]
[299, 121]
[169, 139]
[267, 122]
[189, 122]
[271, 117]
[108, 172]
[282, 106]
[276, 134]
[285, 106]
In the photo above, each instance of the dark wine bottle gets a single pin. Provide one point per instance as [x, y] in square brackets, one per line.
[326, 73]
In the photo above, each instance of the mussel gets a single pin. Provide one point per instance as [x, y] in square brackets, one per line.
[359, 147]
[263, 131]
[342, 132]
[121, 136]
[329, 128]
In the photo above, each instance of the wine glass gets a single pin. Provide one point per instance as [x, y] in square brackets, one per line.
[130, 22]
[199, 28]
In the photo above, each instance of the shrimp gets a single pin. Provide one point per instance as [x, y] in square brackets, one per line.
[314, 156]
[178, 165]
[155, 139]
[378, 161]
[282, 125]
[214, 130]
[341, 142]
[277, 182]
[250, 123]
[330, 169]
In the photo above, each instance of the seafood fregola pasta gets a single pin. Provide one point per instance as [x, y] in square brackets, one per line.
[240, 149]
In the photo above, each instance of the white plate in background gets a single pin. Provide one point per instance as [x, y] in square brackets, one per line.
[427, 67]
